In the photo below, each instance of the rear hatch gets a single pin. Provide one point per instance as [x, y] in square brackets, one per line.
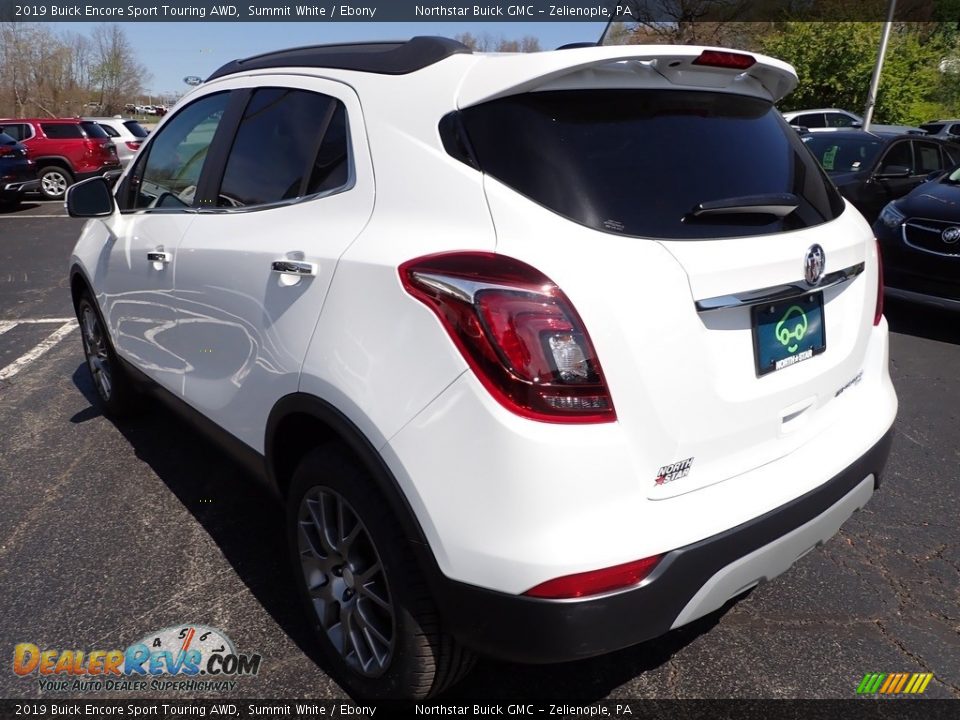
[666, 208]
[99, 145]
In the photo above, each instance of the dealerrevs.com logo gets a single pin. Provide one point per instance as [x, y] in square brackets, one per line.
[182, 657]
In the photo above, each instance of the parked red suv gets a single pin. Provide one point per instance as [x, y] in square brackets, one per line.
[65, 150]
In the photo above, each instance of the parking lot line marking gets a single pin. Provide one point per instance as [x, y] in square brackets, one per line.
[34, 321]
[52, 339]
[7, 325]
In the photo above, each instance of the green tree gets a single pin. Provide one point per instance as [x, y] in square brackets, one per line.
[834, 62]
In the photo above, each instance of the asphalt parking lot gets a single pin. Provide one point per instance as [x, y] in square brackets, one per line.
[109, 531]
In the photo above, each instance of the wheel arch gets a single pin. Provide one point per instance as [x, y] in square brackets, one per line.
[44, 161]
[300, 422]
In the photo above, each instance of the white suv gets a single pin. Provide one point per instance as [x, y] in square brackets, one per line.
[546, 354]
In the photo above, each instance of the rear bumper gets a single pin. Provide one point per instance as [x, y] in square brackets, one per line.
[688, 583]
[20, 186]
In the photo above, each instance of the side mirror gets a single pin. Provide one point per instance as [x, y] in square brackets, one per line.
[856, 124]
[112, 176]
[933, 176]
[90, 198]
[892, 172]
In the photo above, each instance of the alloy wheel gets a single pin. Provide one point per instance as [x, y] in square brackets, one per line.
[95, 347]
[346, 581]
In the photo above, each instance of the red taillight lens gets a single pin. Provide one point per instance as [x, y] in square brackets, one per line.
[519, 333]
[7, 150]
[716, 58]
[133, 145]
[878, 313]
[595, 581]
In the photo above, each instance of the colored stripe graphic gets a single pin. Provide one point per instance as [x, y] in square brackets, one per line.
[894, 683]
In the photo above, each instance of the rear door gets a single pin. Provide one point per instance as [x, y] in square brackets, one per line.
[682, 223]
[295, 189]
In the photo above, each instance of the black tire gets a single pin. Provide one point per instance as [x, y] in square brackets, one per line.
[115, 390]
[54, 181]
[391, 604]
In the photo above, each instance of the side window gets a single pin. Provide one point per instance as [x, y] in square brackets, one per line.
[61, 131]
[951, 155]
[810, 120]
[167, 175]
[839, 120]
[898, 155]
[290, 143]
[18, 131]
[928, 157]
[109, 130]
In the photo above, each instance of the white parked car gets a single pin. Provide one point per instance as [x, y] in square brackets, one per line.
[826, 119]
[566, 353]
[127, 134]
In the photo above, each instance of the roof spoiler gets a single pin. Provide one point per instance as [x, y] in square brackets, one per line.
[496, 76]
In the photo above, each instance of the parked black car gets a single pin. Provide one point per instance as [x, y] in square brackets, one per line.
[872, 168]
[920, 243]
[18, 173]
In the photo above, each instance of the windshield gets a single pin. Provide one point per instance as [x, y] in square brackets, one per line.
[838, 155]
[640, 162]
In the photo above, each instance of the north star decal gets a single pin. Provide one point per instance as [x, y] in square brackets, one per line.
[669, 473]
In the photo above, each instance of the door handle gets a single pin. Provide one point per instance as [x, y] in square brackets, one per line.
[159, 256]
[294, 267]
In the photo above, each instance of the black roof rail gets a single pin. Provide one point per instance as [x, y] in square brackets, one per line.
[385, 58]
[575, 45]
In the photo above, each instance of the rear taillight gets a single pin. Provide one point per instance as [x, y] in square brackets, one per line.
[878, 312]
[133, 145]
[519, 333]
[596, 581]
[7, 150]
[717, 58]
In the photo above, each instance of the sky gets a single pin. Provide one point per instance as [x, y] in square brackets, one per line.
[172, 51]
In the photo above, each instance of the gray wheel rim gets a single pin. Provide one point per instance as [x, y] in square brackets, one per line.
[54, 183]
[346, 582]
[95, 348]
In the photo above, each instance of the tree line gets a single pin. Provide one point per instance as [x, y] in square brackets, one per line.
[49, 74]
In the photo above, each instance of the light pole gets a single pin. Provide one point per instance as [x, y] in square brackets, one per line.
[875, 80]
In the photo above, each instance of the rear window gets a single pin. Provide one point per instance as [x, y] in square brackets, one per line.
[932, 128]
[93, 130]
[61, 131]
[639, 162]
[135, 128]
[109, 130]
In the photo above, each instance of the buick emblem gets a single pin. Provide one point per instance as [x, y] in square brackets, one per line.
[950, 235]
[816, 260]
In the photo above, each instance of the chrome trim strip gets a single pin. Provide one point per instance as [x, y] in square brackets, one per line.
[778, 292]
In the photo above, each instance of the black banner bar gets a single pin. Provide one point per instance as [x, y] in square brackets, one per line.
[676, 11]
[854, 709]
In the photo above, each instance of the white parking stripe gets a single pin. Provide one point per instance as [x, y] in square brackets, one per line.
[7, 325]
[67, 326]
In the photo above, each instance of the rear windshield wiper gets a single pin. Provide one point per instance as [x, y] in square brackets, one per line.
[778, 204]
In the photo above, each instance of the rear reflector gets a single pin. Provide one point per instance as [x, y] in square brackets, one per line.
[595, 582]
[878, 312]
[717, 58]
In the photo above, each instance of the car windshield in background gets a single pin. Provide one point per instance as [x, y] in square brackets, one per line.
[93, 130]
[838, 155]
[135, 128]
[640, 162]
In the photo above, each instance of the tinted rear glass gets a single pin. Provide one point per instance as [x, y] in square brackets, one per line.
[110, 131]
[638, 162]
[62, 130]
[135, 128]
[7, 140]
[93, 130]
[932, 128]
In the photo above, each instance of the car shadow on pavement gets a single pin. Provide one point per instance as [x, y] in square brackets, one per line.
[197, 471]
[922, 321]
[206, 481]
